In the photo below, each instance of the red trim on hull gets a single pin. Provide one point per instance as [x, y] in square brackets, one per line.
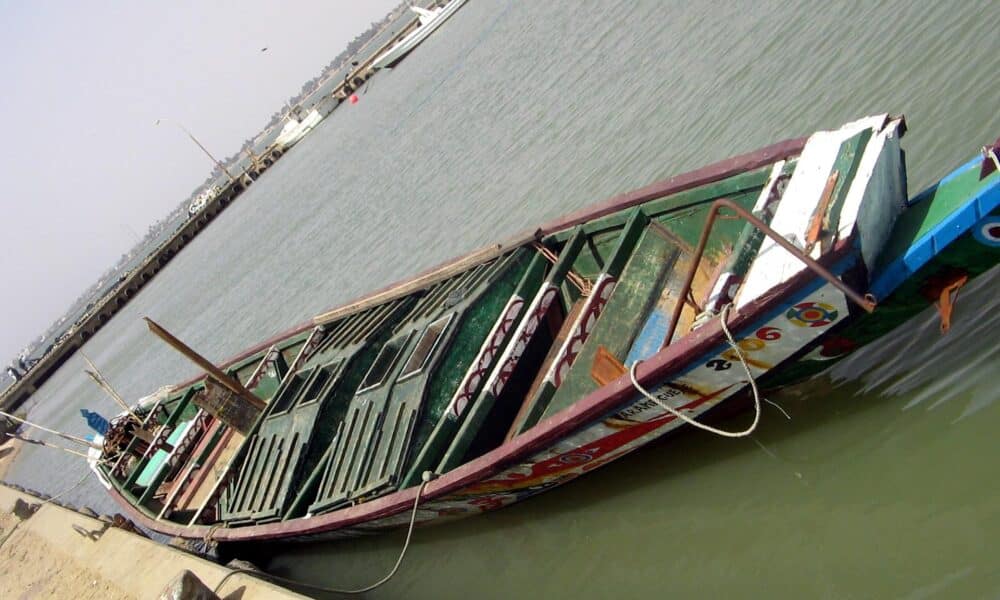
[603, 401]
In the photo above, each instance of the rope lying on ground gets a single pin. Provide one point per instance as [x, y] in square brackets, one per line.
[319, 588]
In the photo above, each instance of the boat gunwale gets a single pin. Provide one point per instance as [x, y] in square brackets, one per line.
[602, 401]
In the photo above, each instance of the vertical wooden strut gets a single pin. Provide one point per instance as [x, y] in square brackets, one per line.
[214, 373]
[100, 380]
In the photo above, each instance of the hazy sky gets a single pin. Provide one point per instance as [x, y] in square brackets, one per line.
[83, 168]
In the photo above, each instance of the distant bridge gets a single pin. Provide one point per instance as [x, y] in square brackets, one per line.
[115, 300]
[111, 303]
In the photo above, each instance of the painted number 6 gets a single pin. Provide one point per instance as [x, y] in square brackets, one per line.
[769, 333]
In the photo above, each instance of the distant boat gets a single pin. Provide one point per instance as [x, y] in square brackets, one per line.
[429, 21]
[294, 130]
[202, 200]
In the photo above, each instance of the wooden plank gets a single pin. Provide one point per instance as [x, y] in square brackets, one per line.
[562, 332]
[227, 407]
[432, 447]
[213, 371]
[505, 366]
[606, 367]
[575, 332]
[634, 294]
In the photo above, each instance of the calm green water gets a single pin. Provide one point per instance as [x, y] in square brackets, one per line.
[883, 483]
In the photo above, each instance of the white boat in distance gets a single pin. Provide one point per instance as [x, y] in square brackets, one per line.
[294, 130]
[202, 200]
[429, 21]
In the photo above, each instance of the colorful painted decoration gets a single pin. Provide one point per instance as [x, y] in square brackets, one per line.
[987, 231]
[469, 386]
[812, 314]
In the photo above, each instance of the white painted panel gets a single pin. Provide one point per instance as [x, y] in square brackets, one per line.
[773, 264]
[873, 207]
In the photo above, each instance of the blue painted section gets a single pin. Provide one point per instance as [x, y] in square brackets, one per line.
[816, 283]
[95, 421]
[152, 468]
[937, 239]
[650, 339]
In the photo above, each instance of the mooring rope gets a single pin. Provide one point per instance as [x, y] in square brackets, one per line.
[753, 384]
[319, 588]
[68, 490]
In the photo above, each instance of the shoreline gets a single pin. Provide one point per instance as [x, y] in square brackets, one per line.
[10, 449]
[54, 552]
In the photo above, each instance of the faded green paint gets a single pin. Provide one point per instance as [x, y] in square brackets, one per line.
[751, 238]
[179, 412]
[375, 437]
[622, 318]
[627, 240]
[436, 431]
[927, 211]
[846, 165]
[737, 185]
[479, 409]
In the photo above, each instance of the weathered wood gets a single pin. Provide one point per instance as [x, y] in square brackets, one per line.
[621, 320]
[225, 406]
[105, 385]
[213, 371]
[606, 367]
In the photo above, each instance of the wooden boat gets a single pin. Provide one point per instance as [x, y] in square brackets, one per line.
[430, 20]
[528, 363]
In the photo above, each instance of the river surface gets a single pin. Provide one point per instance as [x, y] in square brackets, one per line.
[884, 483]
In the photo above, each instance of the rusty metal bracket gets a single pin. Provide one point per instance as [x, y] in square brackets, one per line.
[946, 300]
[866, 302]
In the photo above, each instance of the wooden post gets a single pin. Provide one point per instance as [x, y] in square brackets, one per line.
[67, 436]
[227, 407]
[99, 379]
[215, 373]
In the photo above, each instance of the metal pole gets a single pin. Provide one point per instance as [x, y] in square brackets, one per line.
[28, 440]
[67, 436]
[866, 303]
[203, 149]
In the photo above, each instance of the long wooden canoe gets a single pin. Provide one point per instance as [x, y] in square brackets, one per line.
[506, 372]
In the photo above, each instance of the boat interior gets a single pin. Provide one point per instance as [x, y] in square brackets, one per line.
[367, 400]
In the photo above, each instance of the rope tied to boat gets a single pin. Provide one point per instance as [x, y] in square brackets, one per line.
[427, 478]
[580, 282]
[723, 317]
[207, 539]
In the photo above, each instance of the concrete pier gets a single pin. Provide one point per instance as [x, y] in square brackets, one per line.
[115, 300]
[135, 280]
[56, 552]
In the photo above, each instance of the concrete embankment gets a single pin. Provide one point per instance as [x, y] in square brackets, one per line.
[54, 552]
